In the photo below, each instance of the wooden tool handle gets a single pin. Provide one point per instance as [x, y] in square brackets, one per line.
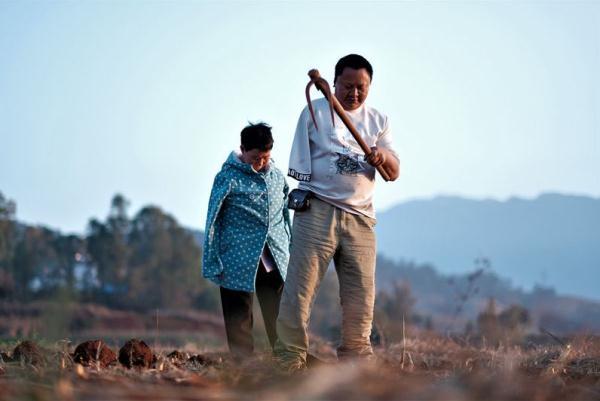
[339, 110]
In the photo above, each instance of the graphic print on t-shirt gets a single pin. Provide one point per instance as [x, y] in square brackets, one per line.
[348, 164]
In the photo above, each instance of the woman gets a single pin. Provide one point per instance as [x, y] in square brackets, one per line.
[246, 244]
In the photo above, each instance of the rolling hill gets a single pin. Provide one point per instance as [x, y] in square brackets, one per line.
[552, 240]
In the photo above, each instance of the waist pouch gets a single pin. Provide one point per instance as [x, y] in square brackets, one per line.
[299, 200]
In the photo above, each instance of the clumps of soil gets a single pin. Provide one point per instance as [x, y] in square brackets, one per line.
[94, 353]
[135, 353]
[177, 358]
[4, 357]
[539, 363]
[556, 362]
[204, 360]
[28, 352]
[583, 367]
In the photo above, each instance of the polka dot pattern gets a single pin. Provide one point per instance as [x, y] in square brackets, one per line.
[246, 211]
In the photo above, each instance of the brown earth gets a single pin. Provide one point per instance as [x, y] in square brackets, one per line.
[204, 360]
[432, 368]
[28, 352]
[94, 352]
[178, 358]
[135, 353]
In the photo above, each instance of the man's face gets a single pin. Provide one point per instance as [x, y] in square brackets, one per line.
[259, 159]
[352, 87]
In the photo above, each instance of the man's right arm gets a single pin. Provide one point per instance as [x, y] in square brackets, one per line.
[300, 162]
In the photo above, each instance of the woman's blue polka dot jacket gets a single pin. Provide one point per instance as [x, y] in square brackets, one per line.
[247, 209]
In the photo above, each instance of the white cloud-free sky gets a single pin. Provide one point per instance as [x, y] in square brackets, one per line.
[486, 99]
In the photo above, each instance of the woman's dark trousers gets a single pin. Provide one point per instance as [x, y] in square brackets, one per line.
[237, 311]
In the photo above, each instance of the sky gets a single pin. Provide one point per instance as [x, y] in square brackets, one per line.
[147, 98]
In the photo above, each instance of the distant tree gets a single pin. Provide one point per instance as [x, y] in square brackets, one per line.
[68, 249]
[399, 303]
[7, 245]
[35, 263]
[108, 250]
[488, 325]
[470, 290]
[7, 284]
[8, 208]
[165, 262]
[120, 227]
[469, 328]
[7, 229]
[394, 311]
[146, 262]
[118, 209]
[514, 321]
[508, 326]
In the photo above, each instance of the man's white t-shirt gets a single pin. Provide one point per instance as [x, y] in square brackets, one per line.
[330, 163]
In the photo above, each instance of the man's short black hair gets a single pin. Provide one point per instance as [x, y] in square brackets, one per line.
[257, 136]
[354, 61]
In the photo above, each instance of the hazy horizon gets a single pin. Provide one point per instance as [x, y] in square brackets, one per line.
[133, 208]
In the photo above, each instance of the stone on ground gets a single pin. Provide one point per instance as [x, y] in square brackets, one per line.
[29, 352]
[135, 353]
[90, 353]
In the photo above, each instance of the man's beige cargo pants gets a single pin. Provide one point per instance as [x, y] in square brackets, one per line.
[320, 234]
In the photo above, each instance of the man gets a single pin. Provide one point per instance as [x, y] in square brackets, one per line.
[339, 224]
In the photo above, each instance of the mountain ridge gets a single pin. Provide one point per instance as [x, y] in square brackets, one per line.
[550, 240]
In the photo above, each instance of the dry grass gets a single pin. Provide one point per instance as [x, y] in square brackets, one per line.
[428, 369]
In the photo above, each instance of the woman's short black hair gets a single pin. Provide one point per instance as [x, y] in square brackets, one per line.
[354, 61]
[257, 136]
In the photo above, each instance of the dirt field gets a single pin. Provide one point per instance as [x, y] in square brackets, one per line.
[431, 369]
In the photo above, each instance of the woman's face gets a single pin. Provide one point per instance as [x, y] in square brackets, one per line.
[258, 159]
